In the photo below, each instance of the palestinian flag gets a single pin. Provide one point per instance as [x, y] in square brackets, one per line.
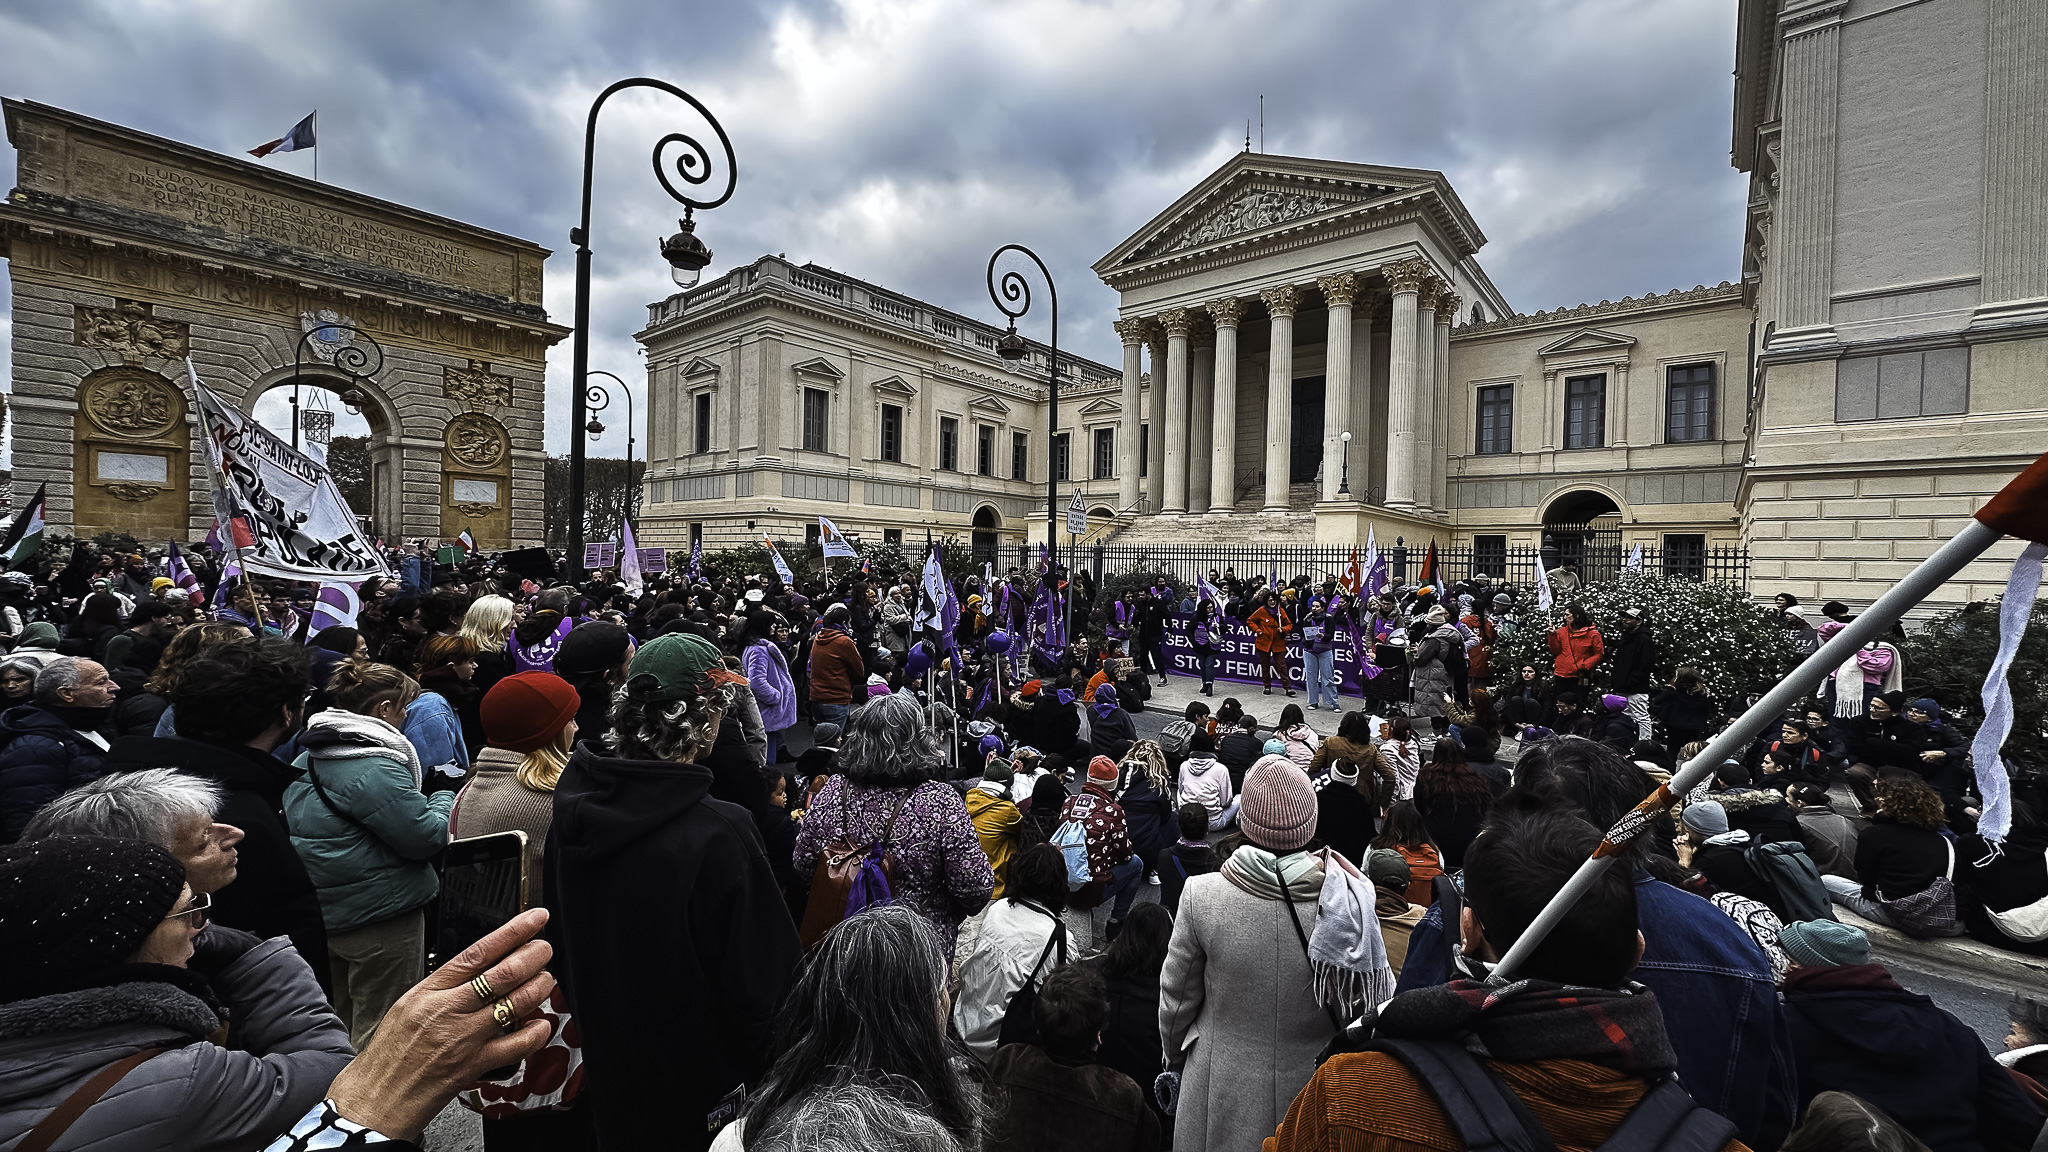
[25, 535]
[301, 136]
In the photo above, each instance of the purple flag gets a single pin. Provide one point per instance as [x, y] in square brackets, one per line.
[337, 605]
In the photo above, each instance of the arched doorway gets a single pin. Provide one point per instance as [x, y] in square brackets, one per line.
[985, 541]
[362, 443]
[1584, 528]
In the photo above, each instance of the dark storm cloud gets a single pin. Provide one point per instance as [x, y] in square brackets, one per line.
[902, 142]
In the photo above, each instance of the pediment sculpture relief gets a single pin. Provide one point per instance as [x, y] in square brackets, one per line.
[1252, 210]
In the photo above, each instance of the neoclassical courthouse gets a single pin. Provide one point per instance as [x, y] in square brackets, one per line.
[1880, 368]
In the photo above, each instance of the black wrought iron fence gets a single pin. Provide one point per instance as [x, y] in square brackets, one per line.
[1513, 565]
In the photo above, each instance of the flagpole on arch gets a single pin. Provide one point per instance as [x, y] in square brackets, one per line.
[2021, 507]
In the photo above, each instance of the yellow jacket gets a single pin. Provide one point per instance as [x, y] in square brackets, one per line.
[995, 820]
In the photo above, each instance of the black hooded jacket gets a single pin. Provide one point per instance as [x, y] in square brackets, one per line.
[671, 940]
[272, 895]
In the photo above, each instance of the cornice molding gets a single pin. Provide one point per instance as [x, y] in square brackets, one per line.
[1722, 293]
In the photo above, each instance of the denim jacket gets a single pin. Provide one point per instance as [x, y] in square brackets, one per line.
[1720, 1006]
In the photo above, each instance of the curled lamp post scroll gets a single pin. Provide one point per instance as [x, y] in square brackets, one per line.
[357, 357]
[1012, 295]
[686, 254]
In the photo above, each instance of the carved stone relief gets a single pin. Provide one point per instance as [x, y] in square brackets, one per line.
[131, 329]
[477, 385]
[133, 493]
[130, 402]
[1253, 210]
[477, 441]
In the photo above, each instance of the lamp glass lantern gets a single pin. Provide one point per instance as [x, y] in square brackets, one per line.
[1011, 346]
[685, 253]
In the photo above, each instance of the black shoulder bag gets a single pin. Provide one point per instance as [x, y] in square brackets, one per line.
[1019, 1027]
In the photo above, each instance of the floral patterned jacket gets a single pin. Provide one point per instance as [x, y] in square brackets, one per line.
[941, 871]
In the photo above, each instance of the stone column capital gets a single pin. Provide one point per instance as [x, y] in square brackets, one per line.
[1341, 288]
[1177, 322]
[1406, 275]
[1226, 311]
[1281, 301]
[1447, 307]
[1428, 293]
[1132, 330]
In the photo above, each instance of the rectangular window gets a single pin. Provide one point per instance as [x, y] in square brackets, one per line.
[949, 444]
[1685, 556]
[1144, 449]
[1059, 452]
[817, 404]
[892, 432]
[1020, 456]
[892, 535]
[1490, 555]
[696, 536]
[1105, 453]
[984, 450]
[810, 538]
[1688, 403]
[1585, 411]
[703, 421]
[1496, 420]
[1903, 384]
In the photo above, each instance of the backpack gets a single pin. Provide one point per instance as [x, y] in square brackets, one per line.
[1072, 841]
[1789, 871]
[1487, 1114]
[850, 878]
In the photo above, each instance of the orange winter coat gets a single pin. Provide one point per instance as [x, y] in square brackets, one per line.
[1577, 650]
[1269, 627]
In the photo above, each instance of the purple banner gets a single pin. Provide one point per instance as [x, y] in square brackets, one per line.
[1237, 656]
[600, 555]
[652, 560]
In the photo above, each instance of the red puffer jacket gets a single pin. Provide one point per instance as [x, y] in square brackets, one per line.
[1577, 650]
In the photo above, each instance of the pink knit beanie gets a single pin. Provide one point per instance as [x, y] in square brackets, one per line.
[1279, 808]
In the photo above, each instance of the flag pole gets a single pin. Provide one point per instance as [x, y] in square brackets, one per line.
[1889, 608]
[316, 175]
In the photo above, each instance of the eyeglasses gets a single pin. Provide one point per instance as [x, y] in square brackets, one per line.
[200, 904]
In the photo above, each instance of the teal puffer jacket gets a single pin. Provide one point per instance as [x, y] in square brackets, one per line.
[369, 842]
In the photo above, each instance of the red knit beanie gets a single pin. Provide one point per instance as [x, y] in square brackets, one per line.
[1102, 768]
[523, 713]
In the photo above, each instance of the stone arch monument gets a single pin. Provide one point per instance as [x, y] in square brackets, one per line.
[127, 252]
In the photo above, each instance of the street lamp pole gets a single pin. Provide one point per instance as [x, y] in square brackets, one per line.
[1015, 290]
[685, 254]
[1344, 478]
[598, 397]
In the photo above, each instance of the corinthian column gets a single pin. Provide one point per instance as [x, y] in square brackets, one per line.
[1201, 410]
[1425, 393]
[1155, 419]
[1404, 280]
[1338, 293]
[1177, 322]
[1440, 449]
[1280, 305]
[1132, 332]
[1223, 416]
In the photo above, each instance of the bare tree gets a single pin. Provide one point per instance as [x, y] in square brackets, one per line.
[348, 458]
[608, 485]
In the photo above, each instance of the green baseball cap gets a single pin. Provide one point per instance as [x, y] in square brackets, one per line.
[676, 665]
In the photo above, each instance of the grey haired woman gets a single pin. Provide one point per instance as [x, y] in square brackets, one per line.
[861, 1047]
[890, 789]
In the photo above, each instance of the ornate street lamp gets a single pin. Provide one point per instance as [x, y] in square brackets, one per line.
[355, 355]
[1013, 289]
[685, 253]
[598, 397]
[1344, 477]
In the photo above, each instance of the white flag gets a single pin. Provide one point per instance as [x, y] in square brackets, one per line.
[781, 568]
[833, 541]
[629, 559]
[1542, 583]
[1635, 557]
[302, 529]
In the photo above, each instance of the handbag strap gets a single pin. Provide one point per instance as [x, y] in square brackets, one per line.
[313, 775]
[1287, 899]
[1949, 874]
[63, 1116]
[1059, 937]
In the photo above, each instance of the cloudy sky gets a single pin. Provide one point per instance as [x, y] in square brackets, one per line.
[901, 141]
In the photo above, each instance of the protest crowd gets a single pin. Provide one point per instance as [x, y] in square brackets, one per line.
[879, 860]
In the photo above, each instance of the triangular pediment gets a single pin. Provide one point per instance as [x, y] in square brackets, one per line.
[895, 386]
[1588, 340]
[988, 404]
[1258, 194]
[819, 366]
[1101, 408]
[699, 366]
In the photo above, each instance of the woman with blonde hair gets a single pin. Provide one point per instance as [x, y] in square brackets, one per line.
[488, 625]
[529, 731]
[368, 837]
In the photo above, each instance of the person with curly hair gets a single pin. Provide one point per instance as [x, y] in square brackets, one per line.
[642, 862]
[1900, 854]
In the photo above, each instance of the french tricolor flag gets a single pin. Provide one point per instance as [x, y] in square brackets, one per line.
[301, 136]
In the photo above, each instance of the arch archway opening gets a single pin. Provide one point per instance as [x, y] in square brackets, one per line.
[360, 446]
[985, 540]
[1583, 528]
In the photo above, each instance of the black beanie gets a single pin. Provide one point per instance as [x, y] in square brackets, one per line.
[71, 906]
[592, 649]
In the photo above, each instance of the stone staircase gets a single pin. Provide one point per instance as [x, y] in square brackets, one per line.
[1246, 524]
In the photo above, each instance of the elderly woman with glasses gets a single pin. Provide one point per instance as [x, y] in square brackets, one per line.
[115, 996]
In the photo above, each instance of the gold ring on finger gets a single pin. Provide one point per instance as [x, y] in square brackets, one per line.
[506, 1016]
[482, 987]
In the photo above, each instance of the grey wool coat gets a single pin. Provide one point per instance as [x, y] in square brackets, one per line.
[1235, 1009]
[198, 1095]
